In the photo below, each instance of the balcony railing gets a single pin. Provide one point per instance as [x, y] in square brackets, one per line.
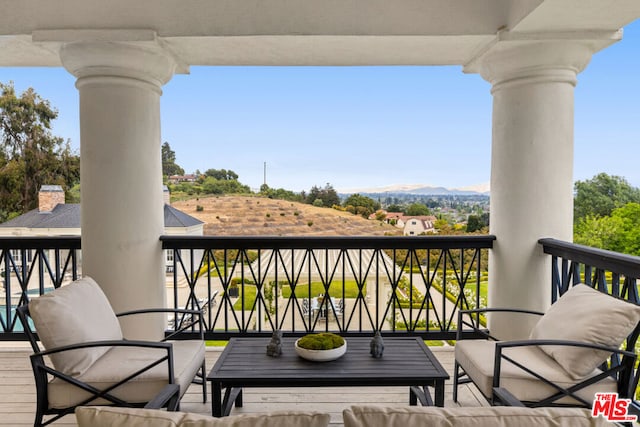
[410, 285]
[350, 285]
[610, 272]
[32, 266]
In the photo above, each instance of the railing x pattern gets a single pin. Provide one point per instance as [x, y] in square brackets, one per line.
[31, 266]
[351, 285]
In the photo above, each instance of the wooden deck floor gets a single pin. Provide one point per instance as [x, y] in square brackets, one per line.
[17, 392]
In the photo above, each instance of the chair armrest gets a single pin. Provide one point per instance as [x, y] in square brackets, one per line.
[169, 396]
[478, 311]
[158, 310]
[108, 343]
[528, 343]
[625, 368]
[191, 318]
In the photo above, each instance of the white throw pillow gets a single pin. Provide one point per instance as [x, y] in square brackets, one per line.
[586, 315]
[73, 314]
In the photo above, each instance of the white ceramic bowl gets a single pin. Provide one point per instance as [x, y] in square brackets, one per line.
[321, 355]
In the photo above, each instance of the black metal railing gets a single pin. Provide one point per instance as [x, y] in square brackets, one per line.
[32, 266]
[610, 272]
[350, 285]
[253, 285]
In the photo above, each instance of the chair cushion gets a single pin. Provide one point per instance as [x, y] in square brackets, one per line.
[477, 358]
[497, 416]
[110, 416]
[119, 362]
[72, 314]
[586, 315]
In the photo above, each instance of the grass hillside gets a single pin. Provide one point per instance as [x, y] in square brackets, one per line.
[245, 215]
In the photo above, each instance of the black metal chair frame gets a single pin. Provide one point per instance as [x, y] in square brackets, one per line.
[189, 320]
[620, 366]
[169, 397]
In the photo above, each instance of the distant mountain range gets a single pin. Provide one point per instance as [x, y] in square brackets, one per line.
[421, 189]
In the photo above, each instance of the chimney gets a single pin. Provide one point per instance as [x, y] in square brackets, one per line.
[49, 197]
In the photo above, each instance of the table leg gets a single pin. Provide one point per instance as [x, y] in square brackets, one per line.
[231, 395]
[420, 394]
[239, 400]
[439, 392]
[413, 399]
[216, 399]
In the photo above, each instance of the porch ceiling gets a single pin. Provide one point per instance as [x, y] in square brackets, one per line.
[329, 32]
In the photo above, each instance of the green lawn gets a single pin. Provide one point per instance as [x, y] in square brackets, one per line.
[249, 298]
[302, 291]
[335, 289]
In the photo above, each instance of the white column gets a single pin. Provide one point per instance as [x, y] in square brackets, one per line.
[121, 173]
[531, 170]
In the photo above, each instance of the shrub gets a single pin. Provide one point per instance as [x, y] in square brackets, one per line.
[199, 208]
[310, 223]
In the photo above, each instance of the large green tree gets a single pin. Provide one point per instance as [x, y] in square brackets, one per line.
[619, 232]
[222, 174]
[361, 205]
[30, 155]
[599, 196]
[169, 165]
[417, 209]
[326, 196]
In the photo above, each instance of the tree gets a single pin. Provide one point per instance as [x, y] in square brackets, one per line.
[602, 194]
[627, 221]
[361, 205]
[596, 231]
[327, 195]
[477, 222]
[212, 185]
[30, 156]
[395, 208]
[417, 209]
[280, 193]
[169, 166]
[222, 174]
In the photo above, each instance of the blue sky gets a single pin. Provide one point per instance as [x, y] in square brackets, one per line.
[361, 127]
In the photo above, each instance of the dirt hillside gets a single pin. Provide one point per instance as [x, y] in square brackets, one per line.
[244, 215]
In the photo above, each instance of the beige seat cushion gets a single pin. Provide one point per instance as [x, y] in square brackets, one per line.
[477, 358]
[122, 361]
[586, 315]
[109, 416]
[72, 314]
[497, 416]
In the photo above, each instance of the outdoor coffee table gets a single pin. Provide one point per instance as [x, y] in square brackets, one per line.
[407, 361]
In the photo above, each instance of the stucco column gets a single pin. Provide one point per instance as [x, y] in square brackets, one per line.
[531, 170]
[121, 172]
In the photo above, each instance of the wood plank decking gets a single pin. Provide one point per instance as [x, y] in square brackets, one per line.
[17, 392]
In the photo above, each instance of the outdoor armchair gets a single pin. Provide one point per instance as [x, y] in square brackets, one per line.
[573, 352]
[87, 361]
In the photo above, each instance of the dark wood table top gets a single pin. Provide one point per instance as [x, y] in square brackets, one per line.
[406, 361]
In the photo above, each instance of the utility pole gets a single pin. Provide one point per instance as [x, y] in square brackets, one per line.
[265, 173]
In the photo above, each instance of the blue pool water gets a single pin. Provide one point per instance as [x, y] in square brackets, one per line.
[3, 314]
